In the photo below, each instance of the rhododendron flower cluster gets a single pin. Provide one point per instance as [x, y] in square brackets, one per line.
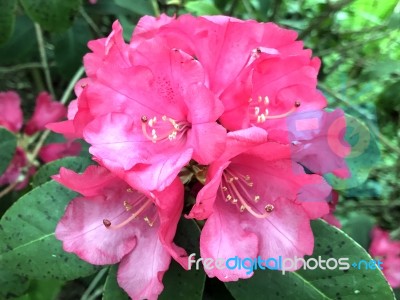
[46, 111]
[233, 101]
[388, 251]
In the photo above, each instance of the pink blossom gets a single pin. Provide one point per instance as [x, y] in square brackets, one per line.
[53, 151]
[264, 79]
[46, 111]
[388, 251]
[258, 202]
[331, 218]
[112, 223]
[10, 111]
[145, 110]
[17, 171]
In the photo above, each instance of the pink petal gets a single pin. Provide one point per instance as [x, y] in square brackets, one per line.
[55, 151]
[82, 231]
[221, 231]
[94, 177]
[10, 111]
[46, 111]
[140, 273]
[170, 204]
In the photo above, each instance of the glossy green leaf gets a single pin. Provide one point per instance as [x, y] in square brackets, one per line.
[350, 284]
[363, 156]
[179, 283]
[12, 285]
[43, 289]
[77, 164]
[29, 246]
[358, 227]
[8, 143]
[7, 19]
[111, 288]
[52, 15]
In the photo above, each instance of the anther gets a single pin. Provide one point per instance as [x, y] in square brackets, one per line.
[269, 208]
[297, 103]
[144, 119]
[106, 223]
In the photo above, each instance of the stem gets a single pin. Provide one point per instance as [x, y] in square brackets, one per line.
[63, 100]
[155, 8]
[8, 189]
[90, 22]
[43, 57]
[16, 68]
[93, 284]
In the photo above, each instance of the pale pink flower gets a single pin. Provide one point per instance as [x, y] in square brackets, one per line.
[46, 111]
[258, 203]
[10, 111]
[112, 223]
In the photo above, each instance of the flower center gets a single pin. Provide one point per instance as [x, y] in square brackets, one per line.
[235, 189]
[259, 110]
[165, 129]
[140, 206]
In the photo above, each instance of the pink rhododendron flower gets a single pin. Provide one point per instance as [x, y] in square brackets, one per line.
[10, 111]
[46, 111]
[388, 251]
[17, 171]
[264, 80]
[258, 202]
[331, 218]
[112, 223]
[53, 151]
[145, 111]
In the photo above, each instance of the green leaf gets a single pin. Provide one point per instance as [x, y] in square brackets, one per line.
[52, 15]
[7, 19]
[350, 284]
[202, 8]
[179, 283]
[8, 143]
[21, 44]
[112, 291]
[364, 155]
[43, 289]
[358, 227]
[29, 246]
[12, 285]
[70, 46]
[139, 7]
[77, 164]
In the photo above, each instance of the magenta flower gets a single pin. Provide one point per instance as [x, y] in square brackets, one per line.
[145, 111]
[388, 251]
[112, 223]
[18, 171]
[10, 111]
[46, 111]
[53, 151]
[265, 79]
[258, 202]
